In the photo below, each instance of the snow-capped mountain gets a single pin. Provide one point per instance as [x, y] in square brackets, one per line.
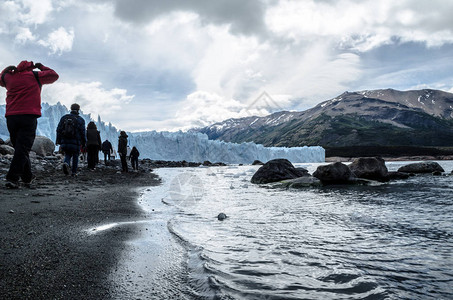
[377, 117]
[175, 146]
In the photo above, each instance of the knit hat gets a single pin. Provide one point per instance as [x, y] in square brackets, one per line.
[75, 106]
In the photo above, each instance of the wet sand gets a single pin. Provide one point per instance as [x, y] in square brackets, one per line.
[47, 250]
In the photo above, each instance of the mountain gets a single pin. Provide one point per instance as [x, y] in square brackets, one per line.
[376, 118]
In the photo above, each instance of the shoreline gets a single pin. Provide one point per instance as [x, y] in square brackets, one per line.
[399, 158]
[46, 251]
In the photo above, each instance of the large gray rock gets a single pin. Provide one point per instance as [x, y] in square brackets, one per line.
[422, 167]
[43, 146]
[336, 173]
[276, 170]
[5, 149]
[300, 183]
[370, 168]
[398, 175]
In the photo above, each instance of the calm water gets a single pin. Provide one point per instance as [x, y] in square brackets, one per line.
[389, 241]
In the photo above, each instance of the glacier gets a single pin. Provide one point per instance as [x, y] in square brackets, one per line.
[175, 146]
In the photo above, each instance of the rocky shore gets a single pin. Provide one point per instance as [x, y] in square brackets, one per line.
[45, 250]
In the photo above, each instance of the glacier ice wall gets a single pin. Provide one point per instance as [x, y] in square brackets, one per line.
[196, 147]
[175, 146]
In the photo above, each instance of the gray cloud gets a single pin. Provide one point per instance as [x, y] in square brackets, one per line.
[244, 17]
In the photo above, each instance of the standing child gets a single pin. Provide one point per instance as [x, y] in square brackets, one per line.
[134, 158]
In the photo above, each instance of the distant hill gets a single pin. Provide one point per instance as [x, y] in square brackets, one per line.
[355, 120]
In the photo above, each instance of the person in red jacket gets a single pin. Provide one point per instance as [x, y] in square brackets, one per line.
[23, 108]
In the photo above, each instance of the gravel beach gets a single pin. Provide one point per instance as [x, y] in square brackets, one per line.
[46, 251]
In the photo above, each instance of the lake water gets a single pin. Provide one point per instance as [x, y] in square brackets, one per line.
[387, 241]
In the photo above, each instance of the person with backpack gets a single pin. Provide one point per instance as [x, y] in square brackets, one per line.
[134, 158]
[23, 108]
[71, 135]
[93, 145]
[107, 149]
[122, 150]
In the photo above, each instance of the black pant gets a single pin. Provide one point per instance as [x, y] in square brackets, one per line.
[22, 132]
[92, 153]
[134, 162]
[106, 156]
[123, 162]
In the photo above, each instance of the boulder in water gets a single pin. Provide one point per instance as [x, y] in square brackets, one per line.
[257, 163]
[336, 173]
[370, 168]
[398, 175]
[301, 182]
[43, 146]
[276, 170]
[422, 167]
[222, 217]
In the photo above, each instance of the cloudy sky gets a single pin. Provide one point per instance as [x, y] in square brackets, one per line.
[167, 65]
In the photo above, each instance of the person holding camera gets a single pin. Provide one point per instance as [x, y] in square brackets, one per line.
[23, 108]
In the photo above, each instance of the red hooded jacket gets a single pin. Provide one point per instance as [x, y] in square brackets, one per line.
[23, 93]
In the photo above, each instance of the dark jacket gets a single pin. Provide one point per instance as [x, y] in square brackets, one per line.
[93, 138]
[134, 153]
[23, 92]
[107, 146]
[72, 144]
[122, 143]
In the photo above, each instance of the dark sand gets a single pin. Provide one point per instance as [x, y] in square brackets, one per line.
[45, 249]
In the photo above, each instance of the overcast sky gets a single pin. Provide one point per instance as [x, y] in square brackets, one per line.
[167, 65]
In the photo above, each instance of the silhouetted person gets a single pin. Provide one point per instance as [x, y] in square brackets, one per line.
[71, 135]
[23, 108]
[134, 158]
[107, 149]
[122, 150]
[93, 145]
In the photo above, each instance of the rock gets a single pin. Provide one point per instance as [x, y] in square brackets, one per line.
[257, 162]
[370, 168]
[421, 167]
[301, 182]
[437, 173]
[397, 175]
[304, 171]
[5, 149]
[276, 170]
[207, 163]
[43, 146]
[222, 217]
[8, 142]
[2, 142]
[336, 173]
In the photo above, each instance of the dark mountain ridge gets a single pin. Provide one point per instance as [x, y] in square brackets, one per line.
[378, 118]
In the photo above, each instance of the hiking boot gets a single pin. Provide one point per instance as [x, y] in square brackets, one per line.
[12, 184]
[65, 168]
[28, 183]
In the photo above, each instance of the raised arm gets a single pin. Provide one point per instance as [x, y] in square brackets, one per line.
[47, 75]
